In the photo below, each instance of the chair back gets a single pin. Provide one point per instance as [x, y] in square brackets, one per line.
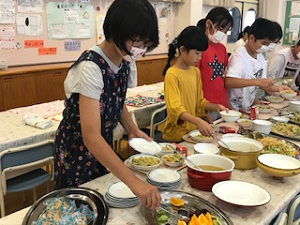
[159, 116]
[294, 211]
[21, 160]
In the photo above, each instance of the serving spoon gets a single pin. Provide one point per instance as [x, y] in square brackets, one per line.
[185, 158]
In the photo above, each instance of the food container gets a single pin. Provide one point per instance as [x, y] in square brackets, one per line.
[230, 116]
[85, 196]
[278, 165]
[243, 151]
[198, 137]
[205, 179]
[295, 105]
[262, 126]
[206, 148]
[288, 94]
[245, 123]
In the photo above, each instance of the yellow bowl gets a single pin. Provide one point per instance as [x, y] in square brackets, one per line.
[278, 165]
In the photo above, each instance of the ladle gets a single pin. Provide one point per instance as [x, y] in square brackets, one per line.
[223, 143]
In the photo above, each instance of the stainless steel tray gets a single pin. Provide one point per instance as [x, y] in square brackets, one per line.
[87, 196]
[192, 203]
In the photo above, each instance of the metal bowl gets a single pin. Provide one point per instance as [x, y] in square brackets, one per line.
[85, 196]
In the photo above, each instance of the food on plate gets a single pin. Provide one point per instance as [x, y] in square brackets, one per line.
[177, 201]
[172, 158]
[276, 146]
[296, 118]
[210, 168]
[202, 136]
[200, 217]
[145, 161]
[168, 148]
[288, 91]
[286, 129]
[161, 216]
[274, 99]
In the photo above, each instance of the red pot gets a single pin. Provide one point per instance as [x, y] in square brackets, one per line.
[204, 179]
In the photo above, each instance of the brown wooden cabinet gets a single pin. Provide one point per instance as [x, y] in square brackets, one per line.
[150, 70]
[28, 85]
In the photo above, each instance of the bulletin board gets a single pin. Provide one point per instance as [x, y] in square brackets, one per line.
[291, 32]
[47, 40]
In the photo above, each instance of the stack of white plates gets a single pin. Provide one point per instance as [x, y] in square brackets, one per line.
[119, 195]
[164, 178]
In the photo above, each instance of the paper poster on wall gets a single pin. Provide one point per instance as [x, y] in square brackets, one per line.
[29, 25]
[7, 38]
[69, 20]
[100, 32]
[74, 45]
[7, 11]
[33, 43]
[291, 31]
[26, 6]
[47, 51]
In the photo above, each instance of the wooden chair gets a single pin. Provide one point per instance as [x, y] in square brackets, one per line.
[21, 168]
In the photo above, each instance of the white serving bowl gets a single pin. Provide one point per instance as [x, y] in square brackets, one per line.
[295, 105]
[145, 167]
[262, 126]
[206, 148]
[173, 160]
[274, 99]
[281, 119]
[230, 116]
[245, 123]
[288, 95]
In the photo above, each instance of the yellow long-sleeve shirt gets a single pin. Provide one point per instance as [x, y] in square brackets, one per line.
[183, 93]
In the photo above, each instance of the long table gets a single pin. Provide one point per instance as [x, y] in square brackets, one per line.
[14, 132]
[281, 191]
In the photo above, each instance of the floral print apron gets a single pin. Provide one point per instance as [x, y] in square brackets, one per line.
[74, 164]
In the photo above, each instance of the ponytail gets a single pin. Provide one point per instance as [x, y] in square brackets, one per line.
[171, 54]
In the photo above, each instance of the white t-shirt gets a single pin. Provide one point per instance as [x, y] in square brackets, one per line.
[86, 77]
[242, 65]
[239, 43]
[284, 64]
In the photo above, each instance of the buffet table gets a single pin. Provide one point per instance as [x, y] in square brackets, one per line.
[281, 191]
[14, 132]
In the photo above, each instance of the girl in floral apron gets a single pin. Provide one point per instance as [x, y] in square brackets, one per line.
[95, 90]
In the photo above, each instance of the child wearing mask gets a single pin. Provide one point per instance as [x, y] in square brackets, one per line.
[95, 90]
[183, 87]
[247, 68]
[215, 59]
[242, 38]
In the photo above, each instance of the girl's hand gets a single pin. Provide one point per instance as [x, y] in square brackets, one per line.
[221, 108]
[139, 134]
[205, 129]
[148, 194]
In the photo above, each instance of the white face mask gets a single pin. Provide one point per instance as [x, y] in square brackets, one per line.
[136, 53]
[272, 47]
[263, 49]
[298, 55]
[217, 36]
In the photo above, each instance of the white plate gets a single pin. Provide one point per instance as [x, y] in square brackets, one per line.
[164, 175]
[143, 146]
[206, 148]
[144, 168]
[281, 119]
[232, 135]
[241, 193]
[120, 190]
[279, 161]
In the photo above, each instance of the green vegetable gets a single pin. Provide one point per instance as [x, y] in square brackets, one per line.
[162, 219]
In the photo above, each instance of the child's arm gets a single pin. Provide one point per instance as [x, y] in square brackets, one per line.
[204, 128]
[232, 82]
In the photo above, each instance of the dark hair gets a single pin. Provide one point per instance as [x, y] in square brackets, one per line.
[263, 29]
[219, 16]
[242, 34]
[191, 37]
[278, 30]
[131, 20]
